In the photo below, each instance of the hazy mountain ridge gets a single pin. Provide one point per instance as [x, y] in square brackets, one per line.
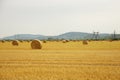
[68, 35]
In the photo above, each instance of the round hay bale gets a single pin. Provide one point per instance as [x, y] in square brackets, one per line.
[3, 41]
[44, 41]
[85, 42]
[21, 41]
[15, 42]
[67, 40]
[36, 44]
[64, 41]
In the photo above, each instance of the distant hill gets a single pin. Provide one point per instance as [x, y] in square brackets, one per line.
[68, 35]
[23, 36]
[81, 36]
[73, 35]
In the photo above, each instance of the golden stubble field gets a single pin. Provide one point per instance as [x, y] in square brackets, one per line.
[99, 60]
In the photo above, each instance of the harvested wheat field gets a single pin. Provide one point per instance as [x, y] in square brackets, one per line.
[98, 60]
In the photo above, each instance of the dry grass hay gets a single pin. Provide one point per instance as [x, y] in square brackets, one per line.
[85, 42]
[8, 40]
[36, 44]
[110, 40]
[57, 40]
[28, 41]
[15, 42]
[74, 40]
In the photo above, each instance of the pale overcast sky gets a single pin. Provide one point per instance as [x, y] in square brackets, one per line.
[53, 17]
